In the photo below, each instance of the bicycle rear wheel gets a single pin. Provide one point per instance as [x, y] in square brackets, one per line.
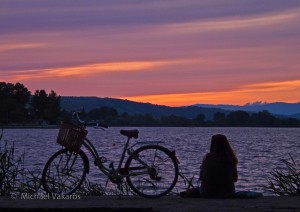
[64, 172]
[152, 171]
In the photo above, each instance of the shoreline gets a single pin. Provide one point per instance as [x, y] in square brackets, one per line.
[167, 203]
[54, 126]
[31, 127]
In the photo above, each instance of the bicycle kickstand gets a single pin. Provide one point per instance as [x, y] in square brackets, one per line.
[120, 189]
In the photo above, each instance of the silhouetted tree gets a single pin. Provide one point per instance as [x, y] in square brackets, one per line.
[291, 122]
[46, 107]
[263, 118]
[13, 100]
[145, 120]
[238, 118]
[200, 120]
[219, 118]
[106, 114]
[52, 110]
[39, 102]
[175, 121]
[82, 112]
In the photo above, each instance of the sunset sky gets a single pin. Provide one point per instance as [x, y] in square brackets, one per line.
[170, 52]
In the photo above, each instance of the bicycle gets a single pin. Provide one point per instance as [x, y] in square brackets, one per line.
[150, 170]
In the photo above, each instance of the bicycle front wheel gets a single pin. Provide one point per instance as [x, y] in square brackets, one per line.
[64, 172]
[152, 171]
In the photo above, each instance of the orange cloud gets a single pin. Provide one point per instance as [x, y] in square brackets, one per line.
[274, 86]
[88, 70]
[288, 91]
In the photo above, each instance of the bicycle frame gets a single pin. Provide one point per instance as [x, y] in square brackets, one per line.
[111, 171]
[150, 170]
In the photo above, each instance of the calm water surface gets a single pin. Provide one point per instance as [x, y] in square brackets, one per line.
[259, 150]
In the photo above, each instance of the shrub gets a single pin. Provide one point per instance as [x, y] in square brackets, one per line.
[285, 182]
[11, 170]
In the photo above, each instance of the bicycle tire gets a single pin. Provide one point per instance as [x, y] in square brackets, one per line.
[159, 179]
[64, 172]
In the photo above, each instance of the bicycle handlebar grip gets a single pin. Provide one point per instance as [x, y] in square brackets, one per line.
[76, 117]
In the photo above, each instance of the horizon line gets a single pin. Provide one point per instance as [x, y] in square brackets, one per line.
[245, 104]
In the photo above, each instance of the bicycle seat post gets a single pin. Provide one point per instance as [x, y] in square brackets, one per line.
[129, 134]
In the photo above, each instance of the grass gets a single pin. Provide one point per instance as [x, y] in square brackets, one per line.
[11, 170]
[285, 182]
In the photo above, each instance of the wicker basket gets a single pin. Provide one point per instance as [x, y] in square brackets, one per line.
[71, 136]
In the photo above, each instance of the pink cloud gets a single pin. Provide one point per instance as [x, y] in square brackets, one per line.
[220, 50]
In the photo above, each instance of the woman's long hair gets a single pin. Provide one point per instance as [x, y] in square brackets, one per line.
[221, 147]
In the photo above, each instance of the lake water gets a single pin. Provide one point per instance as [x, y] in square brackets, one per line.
[259, 150]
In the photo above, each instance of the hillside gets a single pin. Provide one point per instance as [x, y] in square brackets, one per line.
[130, 107]
[280, 108]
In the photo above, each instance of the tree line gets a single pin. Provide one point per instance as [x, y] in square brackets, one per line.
[111, 117]
[18, 105]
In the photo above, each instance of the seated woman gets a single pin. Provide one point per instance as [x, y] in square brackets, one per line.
[218, 171]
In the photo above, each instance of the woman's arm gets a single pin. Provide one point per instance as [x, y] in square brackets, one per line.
[202, 168]
[235, 173]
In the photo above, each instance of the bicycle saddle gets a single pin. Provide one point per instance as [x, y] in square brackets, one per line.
[130, 133]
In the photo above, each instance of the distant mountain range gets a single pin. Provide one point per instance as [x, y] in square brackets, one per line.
[130, 107]
[279, 108]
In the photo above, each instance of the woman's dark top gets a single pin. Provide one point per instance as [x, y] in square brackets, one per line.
[218, 177]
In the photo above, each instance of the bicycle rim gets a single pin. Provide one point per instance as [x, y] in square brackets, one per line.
[64, 172]
[156, 180]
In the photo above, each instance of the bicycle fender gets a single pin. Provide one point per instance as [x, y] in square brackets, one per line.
[86, 160]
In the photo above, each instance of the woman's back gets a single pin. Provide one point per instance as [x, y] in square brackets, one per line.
[219, 169]
[218, 177]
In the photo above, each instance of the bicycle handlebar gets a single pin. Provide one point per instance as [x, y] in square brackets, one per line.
[77, 118]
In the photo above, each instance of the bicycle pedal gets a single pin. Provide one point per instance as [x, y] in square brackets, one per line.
[98, 161]
[157, 178]
[103, 159]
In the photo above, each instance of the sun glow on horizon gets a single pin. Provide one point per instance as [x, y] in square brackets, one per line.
[268, 92]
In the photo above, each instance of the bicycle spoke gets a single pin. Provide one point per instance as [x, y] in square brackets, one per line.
[64, 172]
[158, 178]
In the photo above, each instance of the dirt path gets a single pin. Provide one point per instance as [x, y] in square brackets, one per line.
[169, 203]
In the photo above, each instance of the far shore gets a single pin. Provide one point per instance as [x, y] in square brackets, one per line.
[30, 126]
[57, 126]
